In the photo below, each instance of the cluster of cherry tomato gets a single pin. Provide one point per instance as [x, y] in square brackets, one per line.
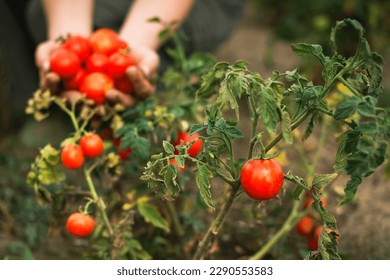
[73, 155]
[262, 179]
[307, 227]
[93, 65]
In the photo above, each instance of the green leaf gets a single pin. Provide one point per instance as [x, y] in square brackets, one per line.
[172, 187]
[267, 108]
[168, 147]
[151, 215]
[305, 49]
[202, 177]
[351, 189]
[346, 108]
[286, 127]
[196, 128]
[323, 180]
[180, 160]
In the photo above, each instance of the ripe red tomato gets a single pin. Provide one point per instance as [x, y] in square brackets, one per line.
[80, 225]
[312, 240]
[72, 156]
[305, 226]
[95, 85]
[196, 147]
[79, 45]
[105, 41]
[64, 62]
[123, 45]
[123, 84]
[118, 63]
[123, 153]
[92, 145]
[309, 201]
[173, 161]
[262, 179]
[97, 62]
[75, 82]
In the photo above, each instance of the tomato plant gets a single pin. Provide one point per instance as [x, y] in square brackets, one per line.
[92, 145]
[226, 164]
[72, 156]
[64, 62]
[80, 224]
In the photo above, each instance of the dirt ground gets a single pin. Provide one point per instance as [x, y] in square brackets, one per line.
[365, 224]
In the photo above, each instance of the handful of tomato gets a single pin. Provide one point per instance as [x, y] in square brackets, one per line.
[93, 65]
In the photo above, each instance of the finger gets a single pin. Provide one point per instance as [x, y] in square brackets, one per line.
[117, 96]
[72, 95]
[143, 88]
[100, 110]
[49, 81]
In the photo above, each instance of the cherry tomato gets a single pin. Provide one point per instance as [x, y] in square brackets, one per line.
[105, 41]
[95, 85]
[79, 45]
[123, 84]
[305, 226]
[309, 201]
[72, 156]
[80, 225]
[312, 240]
[262, 179]
[123, 153]
[64, 62]
[92, 145]
[118, 63]
[195, 148]
[123, 45]
[75, 82]
[97, 62]
[173, 161]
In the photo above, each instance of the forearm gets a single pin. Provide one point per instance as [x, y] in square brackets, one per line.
[137, 30]
[68, 16]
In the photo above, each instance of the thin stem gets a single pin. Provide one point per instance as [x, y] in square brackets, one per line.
[175, 219]
[216, 225]
[289, 223]
[99, 202]
[69, 113]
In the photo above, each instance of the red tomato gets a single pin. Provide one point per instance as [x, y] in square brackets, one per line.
[105, 41]
[262, 179]
[305, 226]
[97, 62]
[173, 161]
[75, 82]
[95, 85]
[64, 62]
[118, 63]
[79, 45]
[80, 225]
[123, 45]
[123, 84]
[195, 148]
[123, 153]
[312, 240]
[72, 156]
[92, 145]
[309, 201]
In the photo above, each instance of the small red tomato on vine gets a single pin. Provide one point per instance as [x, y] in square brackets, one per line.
[97, 62]
[72, 156]
[173, 161]
[195, 148]
[80, 225]
[64, 62]
[262, 179]
[123, 153]
[312, 240]
[305, 226]
[92, 145]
